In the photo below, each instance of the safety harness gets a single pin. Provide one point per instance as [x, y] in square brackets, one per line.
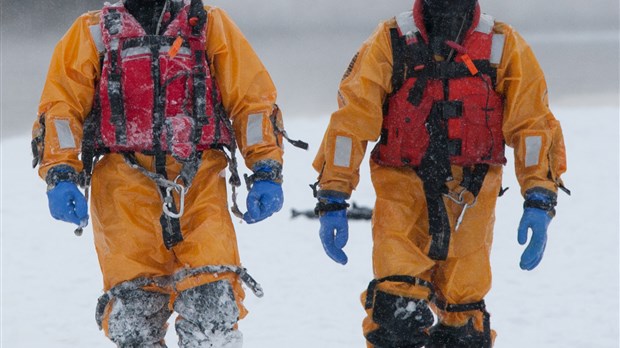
[442, 113]
[157, 96]
[433, 298]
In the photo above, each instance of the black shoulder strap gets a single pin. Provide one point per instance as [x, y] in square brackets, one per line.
[197, 10]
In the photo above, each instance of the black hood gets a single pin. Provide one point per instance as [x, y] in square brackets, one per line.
[149, 12]
[447, 20]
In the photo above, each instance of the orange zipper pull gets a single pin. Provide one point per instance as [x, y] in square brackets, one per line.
[176, 46]
[470, 64]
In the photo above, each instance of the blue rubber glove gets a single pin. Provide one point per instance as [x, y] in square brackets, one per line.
[334, 232]
[67, 203]
[538, 212]
[264, 199]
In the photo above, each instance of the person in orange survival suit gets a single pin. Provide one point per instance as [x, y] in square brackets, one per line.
[441, 88]
[161, 89]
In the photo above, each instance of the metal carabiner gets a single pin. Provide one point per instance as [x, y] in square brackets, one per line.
[459, 198]
[169, 199]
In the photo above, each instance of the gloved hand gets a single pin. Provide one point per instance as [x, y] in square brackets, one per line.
[264, 199]
[334, 232]
[539, 209]
[67, 203]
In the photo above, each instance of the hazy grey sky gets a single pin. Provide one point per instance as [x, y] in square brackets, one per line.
[306, 45]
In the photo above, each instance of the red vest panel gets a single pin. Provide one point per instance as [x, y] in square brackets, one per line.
[468, 108]
[157, 93]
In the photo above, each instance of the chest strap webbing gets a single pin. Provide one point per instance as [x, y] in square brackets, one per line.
[416, 61]
[113, 24]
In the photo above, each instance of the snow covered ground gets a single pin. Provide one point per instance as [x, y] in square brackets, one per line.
[51, 280]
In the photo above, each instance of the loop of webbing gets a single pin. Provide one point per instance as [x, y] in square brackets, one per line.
[165, 184]
[242, 272]
[169, 283]
[458, 198]
[415, 281]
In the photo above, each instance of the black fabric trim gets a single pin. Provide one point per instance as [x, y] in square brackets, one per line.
[151, 40]
[199, 76]
[435, 171]
[90, 138]
[171, 227]
[112, 22]
[38, 143]
[415, 281]
[466, 307]
[196, 10]
[60, 173]
[323, 206]
[548, 206]
[473, 179]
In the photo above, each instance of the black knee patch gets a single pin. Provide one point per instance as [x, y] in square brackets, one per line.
[402, 321]
[466, 336]
[211, 306]
[138, 318]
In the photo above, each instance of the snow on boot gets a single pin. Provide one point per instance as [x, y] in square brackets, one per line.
[402, 321]
[207, 316]
[138, 319]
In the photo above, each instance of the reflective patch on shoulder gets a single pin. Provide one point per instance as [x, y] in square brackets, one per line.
[497, 48]
[342, 153]
[95, 33]
[254, 132]
[65, 135]
[533, 145]
[406, 25]
[486, 24]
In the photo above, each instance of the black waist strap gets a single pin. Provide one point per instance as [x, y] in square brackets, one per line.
[415, 281]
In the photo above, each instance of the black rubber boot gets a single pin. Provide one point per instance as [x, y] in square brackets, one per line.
[466, 336]
[403, 322]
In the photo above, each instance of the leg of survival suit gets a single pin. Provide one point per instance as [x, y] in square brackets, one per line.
[137, 318]
[208, 315]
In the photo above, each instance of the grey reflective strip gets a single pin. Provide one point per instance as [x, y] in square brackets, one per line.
[65, 135]
[486, 24]
[497, 48]
[342, 154]
[135, 51]
[254, 133]
[95, 33]
[533, 144]
[406, 24]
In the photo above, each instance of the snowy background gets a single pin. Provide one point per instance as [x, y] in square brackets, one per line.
[50, 279]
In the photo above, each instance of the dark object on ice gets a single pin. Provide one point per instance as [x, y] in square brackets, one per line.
[355, 212]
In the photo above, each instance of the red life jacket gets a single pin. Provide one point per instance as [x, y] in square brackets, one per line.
[157, 93]
[441, 109]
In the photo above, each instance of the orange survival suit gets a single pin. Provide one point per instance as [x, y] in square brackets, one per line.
[233, 105]
[441, 125]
